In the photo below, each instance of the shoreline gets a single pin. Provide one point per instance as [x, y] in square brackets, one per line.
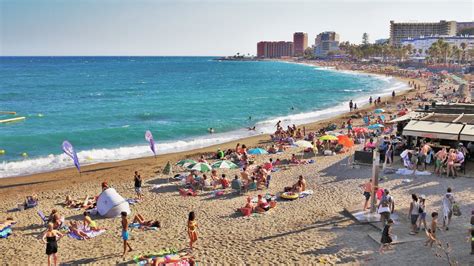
[150, 166]
[45, 163]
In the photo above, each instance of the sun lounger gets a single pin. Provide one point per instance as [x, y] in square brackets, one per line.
[43, 218]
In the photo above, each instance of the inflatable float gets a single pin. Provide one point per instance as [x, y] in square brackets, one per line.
[110, 204]
[289, 195]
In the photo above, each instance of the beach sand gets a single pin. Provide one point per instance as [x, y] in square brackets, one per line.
[306, 231]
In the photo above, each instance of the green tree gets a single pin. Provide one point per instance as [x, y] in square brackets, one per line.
[308, 53]
[365, 38]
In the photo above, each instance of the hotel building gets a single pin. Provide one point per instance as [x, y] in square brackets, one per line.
[326, 42]
[275, 49]
[424, 43]
[300, 43]
[401, 31]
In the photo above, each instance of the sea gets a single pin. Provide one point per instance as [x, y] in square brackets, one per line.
[104, 105]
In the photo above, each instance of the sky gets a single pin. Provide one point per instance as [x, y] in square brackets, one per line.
[201, 28]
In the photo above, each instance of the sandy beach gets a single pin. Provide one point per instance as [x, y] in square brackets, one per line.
[311, 230]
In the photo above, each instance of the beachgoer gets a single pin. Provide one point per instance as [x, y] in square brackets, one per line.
[138, 185]
[440, 156]
[413, 213]
[74, 228]
[386, 239]
[192, 227]
[384, 208]
[448, 203]
[262, 206]
[138, 218]
[51, 238]
[125, 234]
[211, 130]
[393, 94]
[367, 192]
[202, 159]
[370, 100]
[431, 232]
[104, 185]
[422, 211]
[388, 153]
[224, 181]
[355, 106]
[236, 183]
[351, 105]
[220, 154]
[451, 160]
[278, 124]
[91, 223]
[56, 219]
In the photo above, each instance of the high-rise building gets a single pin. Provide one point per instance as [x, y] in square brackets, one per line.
[326, 42]
[400, 31]
[275, 49]
[300, 43]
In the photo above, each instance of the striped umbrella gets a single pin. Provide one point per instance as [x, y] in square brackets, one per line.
[186, 162]
[201, 167]
[224, 164]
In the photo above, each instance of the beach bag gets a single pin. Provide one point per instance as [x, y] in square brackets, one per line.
[456, 210]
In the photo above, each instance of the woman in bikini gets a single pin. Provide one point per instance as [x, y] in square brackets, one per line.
[192, 226]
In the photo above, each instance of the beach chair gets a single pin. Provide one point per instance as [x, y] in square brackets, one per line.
[43, 218]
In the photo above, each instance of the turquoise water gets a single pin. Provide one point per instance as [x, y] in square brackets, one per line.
[104, 105]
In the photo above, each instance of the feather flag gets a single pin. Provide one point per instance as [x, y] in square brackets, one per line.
[69, 151]
[149, 138]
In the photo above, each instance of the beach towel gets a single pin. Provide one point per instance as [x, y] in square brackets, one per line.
[306, 193]
[139, 226]
[6, 232]
[87, 231]
[404, 171]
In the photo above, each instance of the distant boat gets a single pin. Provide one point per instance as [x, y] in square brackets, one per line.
[15, 119]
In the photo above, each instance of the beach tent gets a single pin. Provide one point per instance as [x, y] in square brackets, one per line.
[110, 204]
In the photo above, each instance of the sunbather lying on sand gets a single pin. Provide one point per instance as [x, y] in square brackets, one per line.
[87, 203]
[91, 223]
[295, 160]
[138, 218]
[74, 228]
[264, 205]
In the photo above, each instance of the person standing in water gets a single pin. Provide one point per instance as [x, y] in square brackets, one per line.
[50, 238]
[351, 105]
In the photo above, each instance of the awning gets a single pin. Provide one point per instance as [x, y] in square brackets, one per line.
[433, 130]
[408, 116]
[467, 133]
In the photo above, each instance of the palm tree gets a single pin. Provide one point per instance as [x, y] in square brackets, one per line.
[456, 54]
[463, 47]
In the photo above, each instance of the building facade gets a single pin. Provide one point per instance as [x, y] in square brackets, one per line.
[463, 25]
[275, 49]
[326, 42]
[300, 43]
[424, 43]
[401, 31]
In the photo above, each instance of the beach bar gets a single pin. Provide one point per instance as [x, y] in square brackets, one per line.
[433, 130]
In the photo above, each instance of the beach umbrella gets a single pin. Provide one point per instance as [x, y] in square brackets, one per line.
[186, 162]
[360, 130]
[328, 137]
[224, 164]
[375, 126]
[201, 167]
[257, 151]
[345, 141]
[379, 111]
[304, 144]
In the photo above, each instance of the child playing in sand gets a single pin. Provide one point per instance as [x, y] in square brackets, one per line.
[192, 226]
[431, 232]
[125, 234]
[386, 236]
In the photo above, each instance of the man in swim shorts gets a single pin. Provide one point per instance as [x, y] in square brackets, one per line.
[125, 234]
